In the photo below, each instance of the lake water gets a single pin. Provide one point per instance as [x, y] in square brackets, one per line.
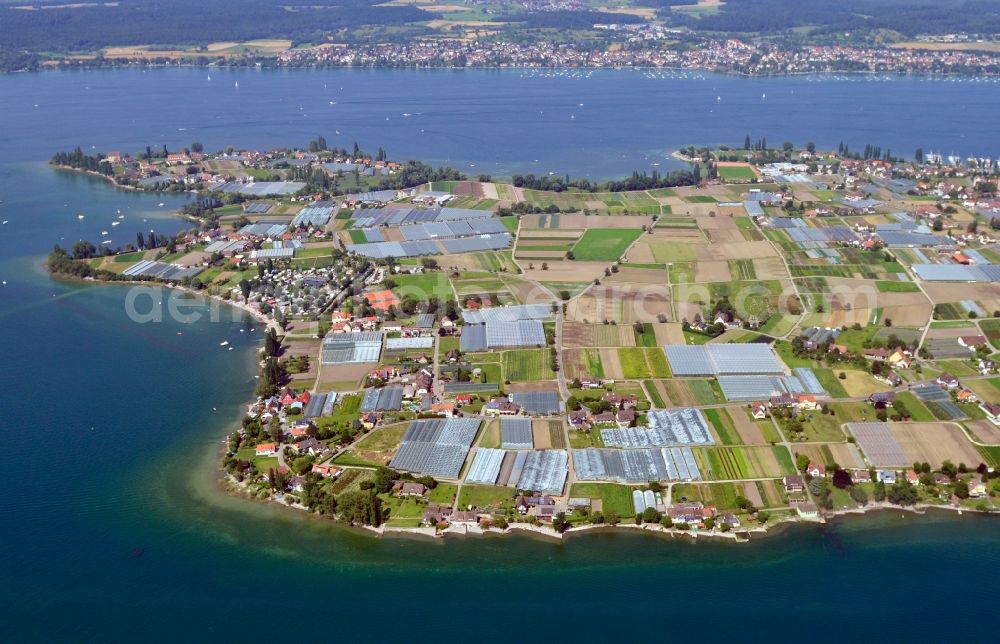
[112, 526]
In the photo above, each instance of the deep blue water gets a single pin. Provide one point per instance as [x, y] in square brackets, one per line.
[111, 526]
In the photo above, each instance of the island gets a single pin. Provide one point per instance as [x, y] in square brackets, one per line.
[764, 335]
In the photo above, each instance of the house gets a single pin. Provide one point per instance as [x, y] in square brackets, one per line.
[899, 359]
[625, 418]
[807, 402]
[886, 476]
[445, 409]
[339, 317]
[794, 484]
[758, 410]
[267, 449]
[987, 367]
[816, 470]
[807, 510]
[604, 417]
[526, 504]
[326, 471]
[730, 520]
[966, 396]
[447, 323]
[890, 378]
[435, 514]
[622, 402]
[972, 341]
[947, 381]
[861, 476]
[977, 487]
[310, 446]
[591, 383]
[911, 477]
[784, 400]
[501, 406]
[880, 354]
[882, 399]
[578, 504]
[579, 420]
[297, 483]
[992, 412]
[463, 399]
[690, 513]
[409, 488]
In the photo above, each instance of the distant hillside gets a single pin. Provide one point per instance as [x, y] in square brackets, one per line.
[191, 22]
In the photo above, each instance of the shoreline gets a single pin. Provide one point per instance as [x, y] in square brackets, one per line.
[75, 66]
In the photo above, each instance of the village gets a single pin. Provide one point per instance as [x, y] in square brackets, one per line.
[799, 335]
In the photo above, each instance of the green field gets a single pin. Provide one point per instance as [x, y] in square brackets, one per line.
[358, 236]
[736, 172]
[485, 496]
[700, 199]
[671, 252]
[130, 257]
[616, 498]
[525, 365]
[424, 285]
[886, 286]
[643, 362]
[604, 244]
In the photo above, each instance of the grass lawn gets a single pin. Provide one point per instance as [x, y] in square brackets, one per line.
[383, 438]
[485, 496]
[918, 411]
[614, 497]
[424, 285]
[527, 365]
[784, 351]
[604, 244]
[443, 493]
[830, 381]
[128, 258]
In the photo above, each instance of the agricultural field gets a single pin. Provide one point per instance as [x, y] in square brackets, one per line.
[604, 245]
[731, 463]
[640, 362]
[526, 365]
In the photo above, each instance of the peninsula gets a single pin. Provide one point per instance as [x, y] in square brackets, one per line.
[770, 334]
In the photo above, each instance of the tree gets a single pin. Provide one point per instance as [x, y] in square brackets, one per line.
[360, 507]
[858, 494]
[650, 515]
[272, 346]
[559, 522]
[842, 479]
[245, 289]
[801, 462]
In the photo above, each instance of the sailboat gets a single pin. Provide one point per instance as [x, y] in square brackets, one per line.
[237, 84]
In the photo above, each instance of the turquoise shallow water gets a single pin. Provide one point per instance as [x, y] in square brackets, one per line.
[112, 527]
